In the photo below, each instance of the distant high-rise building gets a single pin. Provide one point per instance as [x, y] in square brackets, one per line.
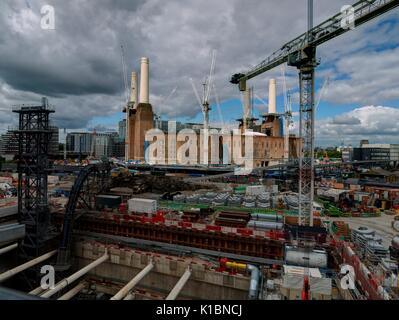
[388, 152]
[363, 142]
[347, 154]
[79, 143]
[122, 129]
[100, 144]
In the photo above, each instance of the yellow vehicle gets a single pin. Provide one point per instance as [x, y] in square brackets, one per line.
[120, 172]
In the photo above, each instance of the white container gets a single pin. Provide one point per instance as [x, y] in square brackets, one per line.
[142, 205]
[255, 190]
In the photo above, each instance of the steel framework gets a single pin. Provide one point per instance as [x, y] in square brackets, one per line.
[91, 180]
[301, 53]
[34, 134]
[306, 129]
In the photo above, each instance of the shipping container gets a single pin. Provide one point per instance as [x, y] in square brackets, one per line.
[142, 205]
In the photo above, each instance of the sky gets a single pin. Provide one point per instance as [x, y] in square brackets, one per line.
[78, 64]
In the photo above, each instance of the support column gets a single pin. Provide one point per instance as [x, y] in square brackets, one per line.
[10, 273]
[8, 249]
[179, 285]
[70, 294]
[67, 281]
[125, 290]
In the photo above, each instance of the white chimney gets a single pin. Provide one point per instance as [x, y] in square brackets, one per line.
[272, 96]
[144, 81]
[133, 90]
[247, 104]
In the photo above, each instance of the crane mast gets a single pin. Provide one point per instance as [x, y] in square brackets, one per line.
[301, 53]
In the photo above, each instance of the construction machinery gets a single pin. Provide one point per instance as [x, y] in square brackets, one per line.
[301, 53]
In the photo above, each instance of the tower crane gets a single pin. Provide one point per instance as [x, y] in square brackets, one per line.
[207, 85]
[301, 53]
[287, 116]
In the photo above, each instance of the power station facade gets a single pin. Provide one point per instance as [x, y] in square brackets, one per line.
[267, 137]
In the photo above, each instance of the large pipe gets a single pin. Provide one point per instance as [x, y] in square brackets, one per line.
[8, 249]
[73, 292]
[272, 96]
[179, 285]
[125, 290]
[144, 81]
[67, 281]
[130, 296]
[37, 291]
[8, 274]
[254, 284]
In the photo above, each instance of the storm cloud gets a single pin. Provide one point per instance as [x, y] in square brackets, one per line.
[78, 65]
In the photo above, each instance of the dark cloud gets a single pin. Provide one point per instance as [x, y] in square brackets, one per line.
[78, 65]
[346, 120]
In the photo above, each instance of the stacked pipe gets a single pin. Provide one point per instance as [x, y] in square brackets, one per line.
[266, 222]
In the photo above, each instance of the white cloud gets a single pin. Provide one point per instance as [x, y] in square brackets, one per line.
[376, 123]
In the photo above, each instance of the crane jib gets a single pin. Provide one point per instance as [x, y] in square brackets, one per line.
[363, 11]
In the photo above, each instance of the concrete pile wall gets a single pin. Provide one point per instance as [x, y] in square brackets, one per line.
[204, 283]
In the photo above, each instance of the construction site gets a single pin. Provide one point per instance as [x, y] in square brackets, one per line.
[182, 219]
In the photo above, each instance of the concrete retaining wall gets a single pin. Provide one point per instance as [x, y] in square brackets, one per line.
[125, 263]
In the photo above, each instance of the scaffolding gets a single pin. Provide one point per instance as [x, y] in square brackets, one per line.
[33, 134]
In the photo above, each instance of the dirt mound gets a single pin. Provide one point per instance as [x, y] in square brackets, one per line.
[154, 184]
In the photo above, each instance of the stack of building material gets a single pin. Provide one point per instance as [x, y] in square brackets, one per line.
[375, 251]
[369, 244]
[193, 199]
[234, 200]
[180, 198]
[220, 199]
[232, 219]
[265, 225]
[249, 202]
[263, 200]
[356, 233]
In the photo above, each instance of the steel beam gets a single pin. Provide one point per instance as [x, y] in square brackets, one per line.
[8, 249]
[10, 273]
[67, 281]
[162, 246]
[179, 285]
[125, 290]
[73, 292]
